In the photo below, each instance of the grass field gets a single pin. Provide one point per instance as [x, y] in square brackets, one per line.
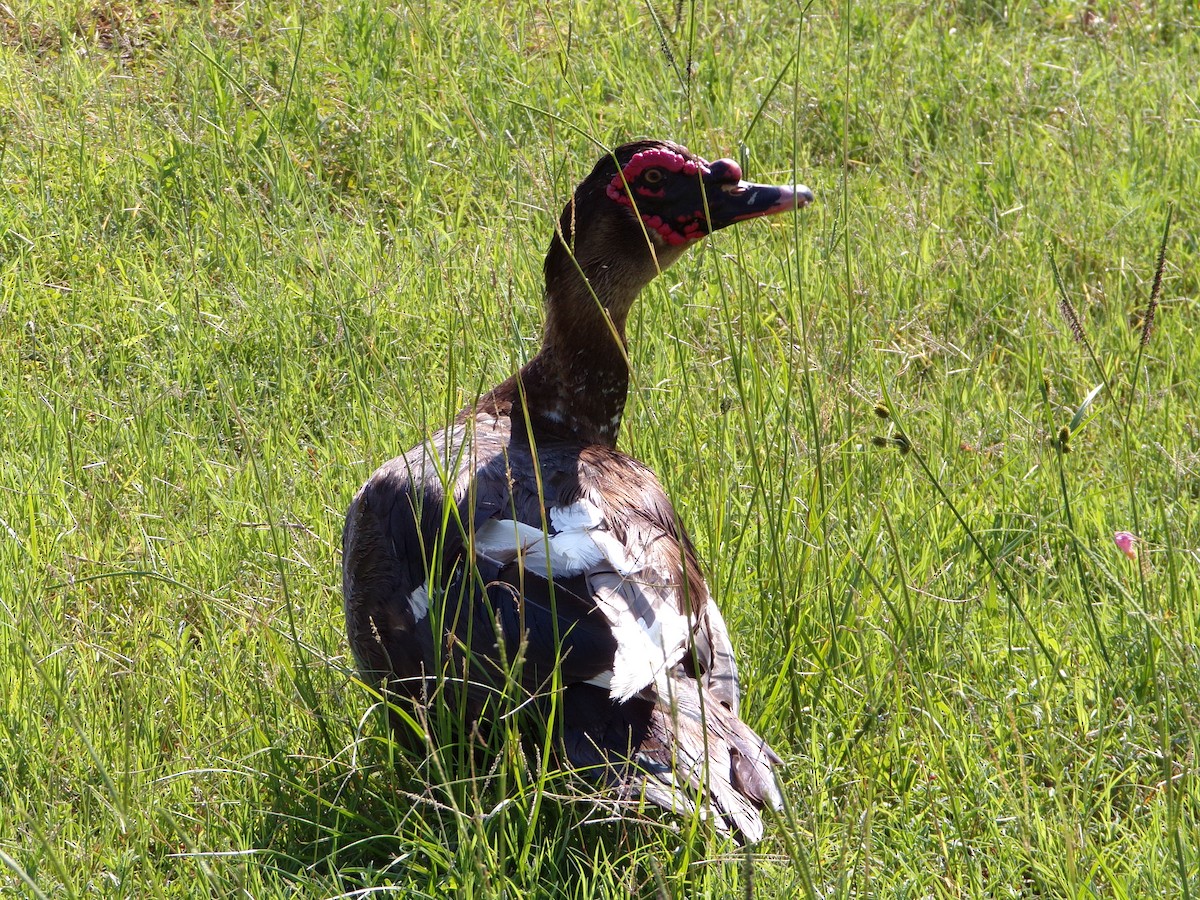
[250, 250]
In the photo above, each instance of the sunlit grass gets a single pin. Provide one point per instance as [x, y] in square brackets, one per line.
[249, 251]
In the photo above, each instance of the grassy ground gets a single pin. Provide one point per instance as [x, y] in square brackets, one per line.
[248, 251]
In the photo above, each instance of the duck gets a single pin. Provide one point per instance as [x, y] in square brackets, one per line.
[519, 545]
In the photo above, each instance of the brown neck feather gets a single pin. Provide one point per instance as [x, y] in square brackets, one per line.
[576, 385]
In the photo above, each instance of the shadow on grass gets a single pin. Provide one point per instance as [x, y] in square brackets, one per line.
[488, 816]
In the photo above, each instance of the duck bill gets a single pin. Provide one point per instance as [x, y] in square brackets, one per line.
[730, 203]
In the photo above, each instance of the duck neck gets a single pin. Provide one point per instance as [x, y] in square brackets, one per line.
[576, 385]
[577, 382]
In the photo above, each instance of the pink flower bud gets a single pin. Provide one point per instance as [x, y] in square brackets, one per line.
[1125, 543]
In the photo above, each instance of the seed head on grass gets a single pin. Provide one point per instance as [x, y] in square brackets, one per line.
[898, 440]
[1156, 289]
[1068, 311]
[1066, 307]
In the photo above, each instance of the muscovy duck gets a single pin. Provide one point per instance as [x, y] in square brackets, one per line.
[519, 543]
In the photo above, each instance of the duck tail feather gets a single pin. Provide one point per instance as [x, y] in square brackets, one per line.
[678, 751]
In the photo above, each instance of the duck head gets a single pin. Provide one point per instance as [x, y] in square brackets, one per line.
[640, 208]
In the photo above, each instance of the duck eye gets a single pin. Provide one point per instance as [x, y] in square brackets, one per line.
[652, 176]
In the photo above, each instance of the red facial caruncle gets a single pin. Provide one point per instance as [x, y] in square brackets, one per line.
[644, 175]
[681, 198]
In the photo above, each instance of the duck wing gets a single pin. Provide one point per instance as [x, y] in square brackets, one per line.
[568, 567]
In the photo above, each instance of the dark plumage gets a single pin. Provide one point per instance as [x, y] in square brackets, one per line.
[559, 549]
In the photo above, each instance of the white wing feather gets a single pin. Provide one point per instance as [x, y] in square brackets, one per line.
[649, 642]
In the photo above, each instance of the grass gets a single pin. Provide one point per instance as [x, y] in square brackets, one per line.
[249, 251]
